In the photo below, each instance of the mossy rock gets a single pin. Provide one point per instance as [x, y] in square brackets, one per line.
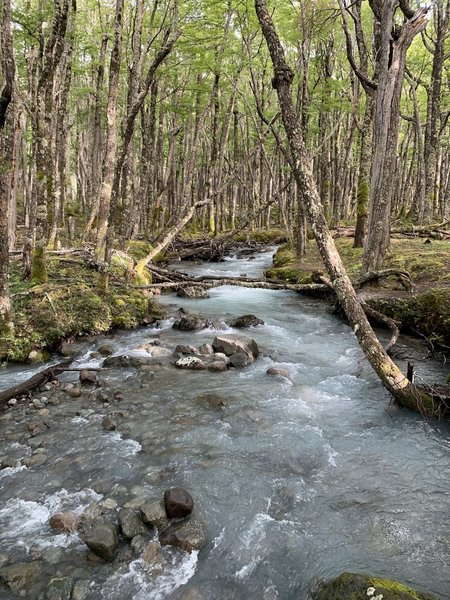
[354, 586]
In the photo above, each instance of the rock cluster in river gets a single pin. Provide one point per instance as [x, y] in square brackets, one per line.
[114, 534]
[228, 350]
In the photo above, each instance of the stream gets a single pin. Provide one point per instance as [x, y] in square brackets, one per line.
[296, 480]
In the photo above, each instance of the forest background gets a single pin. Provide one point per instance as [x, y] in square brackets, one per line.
[119, 120]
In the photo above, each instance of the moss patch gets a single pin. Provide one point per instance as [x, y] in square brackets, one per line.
[72, 304]
[352, 586]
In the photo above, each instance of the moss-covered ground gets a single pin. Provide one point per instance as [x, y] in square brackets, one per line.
[74, 302]
[425, 311]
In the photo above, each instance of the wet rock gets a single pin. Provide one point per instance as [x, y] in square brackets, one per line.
[205, 349]
[245, 321]
[221, 356]
[130, 524]
[154, 513]
[44, 412]
[109, 503]
[185, 349]
[102, 540]
[88, 377]
[190, 323]
[3, 559]
[37, 427]
[190, 362]
[12, 402]
[278, 372]
[108, 424]
[65, 522]
[157, 351]
[240, 359]
[52, 556]
[36, 460]
[90, 515]
[352, 585]
[138, 544]
[211, 400]
[85, 413]
[36, 356]
[217, 366]
[187, 536]
[102, 396]
[8, 462]
[67, 349]
[192, 292]
[80, 589]
[37, 403]
[74, 392]
[106, 349]
[178, 502]
[152, 555]
[18, 576]
[231, 344]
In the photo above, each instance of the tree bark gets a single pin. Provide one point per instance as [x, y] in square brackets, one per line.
[392, 61]
[6, 161]
[390, 375]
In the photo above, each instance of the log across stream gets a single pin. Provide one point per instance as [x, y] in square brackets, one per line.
[296, 479]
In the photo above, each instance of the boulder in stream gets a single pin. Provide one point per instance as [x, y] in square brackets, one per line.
[18, 576]
[154, 513]
[88, 377]
[130, 524]
[232, 343]
[191, 323]
[187, 536]
[102, 540]
[59, 588]
[245, 321]
[278, 372]
[178, 502]
[190, 362]
[354, 586]
[65, 522]
[217, 366]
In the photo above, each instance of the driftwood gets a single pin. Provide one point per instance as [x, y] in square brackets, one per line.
[33, 382]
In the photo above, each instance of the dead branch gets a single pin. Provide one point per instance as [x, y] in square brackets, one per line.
[402, 276]
[33, 382]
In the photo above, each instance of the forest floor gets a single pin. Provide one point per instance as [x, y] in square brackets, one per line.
[424, 310]
[76, 302]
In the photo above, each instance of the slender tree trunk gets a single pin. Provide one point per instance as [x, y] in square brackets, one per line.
[111, 135]
[6, 162]
[391, 376]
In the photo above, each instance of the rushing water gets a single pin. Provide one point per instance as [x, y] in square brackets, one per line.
[296, 480]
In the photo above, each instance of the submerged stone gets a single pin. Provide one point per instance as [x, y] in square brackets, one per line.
[245, 321]
[18, 576]
[59, 588]
[187, 536]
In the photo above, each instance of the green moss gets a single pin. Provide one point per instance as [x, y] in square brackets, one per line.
[38, 266]
[427, 314]
[353, 586]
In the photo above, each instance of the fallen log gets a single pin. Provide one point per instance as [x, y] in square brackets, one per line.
[33, 382]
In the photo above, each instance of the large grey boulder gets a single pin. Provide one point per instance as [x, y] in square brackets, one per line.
[102, 539]
[187, 536]
[232, 343]
[178, 502]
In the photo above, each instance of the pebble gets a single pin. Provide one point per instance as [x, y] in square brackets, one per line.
[44, 412]
[74, 392]
[12, 402]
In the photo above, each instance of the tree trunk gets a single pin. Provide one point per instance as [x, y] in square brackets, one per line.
[391, 376]
[6, 161]
[393, 48]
